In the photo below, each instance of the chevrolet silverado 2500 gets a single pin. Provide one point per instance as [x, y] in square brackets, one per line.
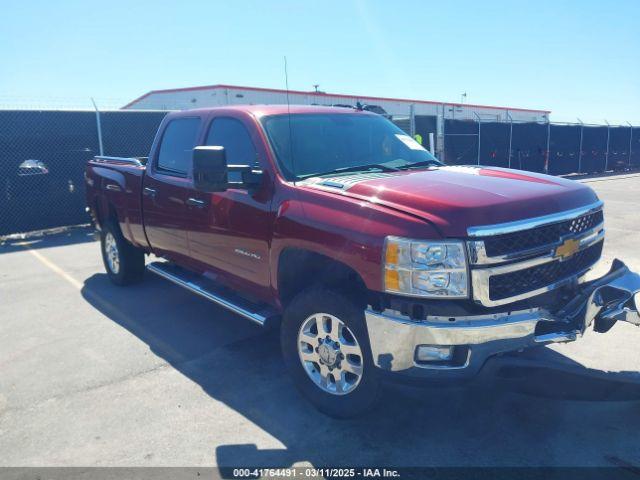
[376, 260]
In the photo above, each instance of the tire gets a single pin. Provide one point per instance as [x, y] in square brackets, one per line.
[123, 262]
[352, 394]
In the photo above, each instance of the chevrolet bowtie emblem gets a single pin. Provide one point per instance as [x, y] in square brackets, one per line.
[567, 248]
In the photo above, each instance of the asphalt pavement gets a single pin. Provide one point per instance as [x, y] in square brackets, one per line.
[150, 375]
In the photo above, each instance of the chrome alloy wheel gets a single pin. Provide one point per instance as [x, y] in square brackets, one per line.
[111, 252]
[330, 354]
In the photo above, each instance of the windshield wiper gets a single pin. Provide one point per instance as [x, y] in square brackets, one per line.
[354, 168]
[423, 163]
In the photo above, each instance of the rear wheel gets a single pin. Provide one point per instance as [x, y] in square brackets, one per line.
[325, 347]
[124, 262]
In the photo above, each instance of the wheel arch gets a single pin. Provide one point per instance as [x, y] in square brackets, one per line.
[300, 268]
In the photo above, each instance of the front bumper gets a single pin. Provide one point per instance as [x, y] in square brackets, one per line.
[394, 338]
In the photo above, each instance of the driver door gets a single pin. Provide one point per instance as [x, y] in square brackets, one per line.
[229, 233]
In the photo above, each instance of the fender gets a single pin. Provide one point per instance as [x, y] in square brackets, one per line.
[344, 229]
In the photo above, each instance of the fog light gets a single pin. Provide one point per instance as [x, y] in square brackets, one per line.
[431, 353]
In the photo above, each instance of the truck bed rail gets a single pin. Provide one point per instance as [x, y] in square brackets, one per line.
[138, 161]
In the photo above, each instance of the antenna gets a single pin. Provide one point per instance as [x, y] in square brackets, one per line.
[286, 81]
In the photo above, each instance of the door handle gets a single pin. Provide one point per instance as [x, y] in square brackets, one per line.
[194, 202]
[149, 192]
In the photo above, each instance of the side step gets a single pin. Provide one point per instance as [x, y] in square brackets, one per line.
[260, 313]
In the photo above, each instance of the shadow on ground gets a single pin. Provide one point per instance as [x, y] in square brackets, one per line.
[58, 237]
[514, 414]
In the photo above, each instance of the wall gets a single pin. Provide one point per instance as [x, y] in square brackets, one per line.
[219, 96]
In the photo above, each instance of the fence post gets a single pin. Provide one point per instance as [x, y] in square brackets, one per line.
[510, 135]
[440, 136]
[580, 148]
[546, 152]
[412, 120]
[479, 134]
[99, 125]
[606, 155]
[630, 142]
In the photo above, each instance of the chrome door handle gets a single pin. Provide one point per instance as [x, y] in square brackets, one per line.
[149, 192]
[194, 202]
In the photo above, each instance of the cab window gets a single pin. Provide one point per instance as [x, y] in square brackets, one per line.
[234, 137]
[177, 144]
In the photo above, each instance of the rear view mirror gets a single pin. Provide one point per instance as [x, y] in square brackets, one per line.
[210, 169]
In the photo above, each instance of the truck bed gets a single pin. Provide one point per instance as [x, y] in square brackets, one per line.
[114, 186]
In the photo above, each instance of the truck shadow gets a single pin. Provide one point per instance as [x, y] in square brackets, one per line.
[239, 364]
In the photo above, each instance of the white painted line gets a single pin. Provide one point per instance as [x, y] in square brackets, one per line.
[52, 266]
[124, 318]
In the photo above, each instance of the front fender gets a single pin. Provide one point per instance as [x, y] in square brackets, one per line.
[346, 230]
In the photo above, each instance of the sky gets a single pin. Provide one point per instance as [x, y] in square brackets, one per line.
[579, 59]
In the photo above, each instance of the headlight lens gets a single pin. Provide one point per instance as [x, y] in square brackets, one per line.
[425, 269]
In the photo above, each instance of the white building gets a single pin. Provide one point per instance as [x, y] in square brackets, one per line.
[404, 111]
[220, 95]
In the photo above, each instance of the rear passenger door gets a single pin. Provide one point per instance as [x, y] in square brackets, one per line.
[164, 189]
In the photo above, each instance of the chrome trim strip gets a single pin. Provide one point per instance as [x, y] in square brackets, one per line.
[256, 317]
[130, 160]
[526, 224]
[557, 337]
[478, 254]
[480, 276]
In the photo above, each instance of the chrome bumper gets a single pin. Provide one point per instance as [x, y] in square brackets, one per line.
[394, 338]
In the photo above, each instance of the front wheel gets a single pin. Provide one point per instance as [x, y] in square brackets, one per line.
[326, 350]
[124, 262]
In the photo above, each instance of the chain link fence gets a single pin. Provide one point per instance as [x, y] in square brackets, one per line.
[553, 148]
[43, 153]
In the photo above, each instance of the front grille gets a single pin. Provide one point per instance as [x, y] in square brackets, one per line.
[523, 281]
[540, 236]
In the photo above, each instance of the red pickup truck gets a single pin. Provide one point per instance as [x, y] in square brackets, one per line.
[375, 260]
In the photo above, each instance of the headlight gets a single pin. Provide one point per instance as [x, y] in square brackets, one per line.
[424, 268]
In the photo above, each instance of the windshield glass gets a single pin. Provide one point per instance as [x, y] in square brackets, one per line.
[328, 143]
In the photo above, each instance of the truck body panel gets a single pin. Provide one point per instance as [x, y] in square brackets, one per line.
[434, 269]
[218, 239]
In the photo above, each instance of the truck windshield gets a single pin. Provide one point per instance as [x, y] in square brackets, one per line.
[308, 145]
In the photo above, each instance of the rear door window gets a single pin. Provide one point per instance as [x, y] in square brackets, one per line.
[177, 144]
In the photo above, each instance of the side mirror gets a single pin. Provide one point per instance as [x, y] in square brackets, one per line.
[210, 169]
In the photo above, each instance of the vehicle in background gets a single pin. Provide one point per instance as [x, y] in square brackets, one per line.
[375, 260]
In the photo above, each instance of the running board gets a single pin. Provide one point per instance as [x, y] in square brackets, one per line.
[259, 313]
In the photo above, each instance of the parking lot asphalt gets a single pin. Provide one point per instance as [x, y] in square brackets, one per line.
[96, 375]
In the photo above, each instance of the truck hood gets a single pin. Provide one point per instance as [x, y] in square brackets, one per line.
[454, 198]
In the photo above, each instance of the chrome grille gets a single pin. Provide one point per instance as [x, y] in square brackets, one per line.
[518, 260]
[521, 281]
[540, 236]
